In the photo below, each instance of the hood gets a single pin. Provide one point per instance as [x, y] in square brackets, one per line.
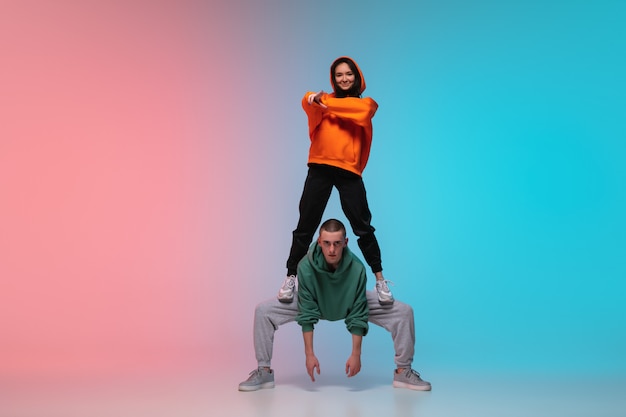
[332, 84]
[318, 262]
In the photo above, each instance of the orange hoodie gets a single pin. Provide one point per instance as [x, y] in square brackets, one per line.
[341, 134]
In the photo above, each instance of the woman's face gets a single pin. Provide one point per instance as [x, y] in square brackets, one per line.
[344, 77]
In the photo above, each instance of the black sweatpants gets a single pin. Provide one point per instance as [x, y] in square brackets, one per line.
[318, 185]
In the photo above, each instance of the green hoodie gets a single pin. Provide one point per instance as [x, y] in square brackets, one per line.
[326, 295]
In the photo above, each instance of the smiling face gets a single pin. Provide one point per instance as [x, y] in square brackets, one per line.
[332, 244]
[344, 77]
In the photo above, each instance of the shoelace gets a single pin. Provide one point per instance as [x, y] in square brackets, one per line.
[384, 286]
[289, 283]
[411, 373]
[254, 374]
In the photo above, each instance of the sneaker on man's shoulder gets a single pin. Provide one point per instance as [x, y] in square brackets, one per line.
[385, 297]
[285, 294]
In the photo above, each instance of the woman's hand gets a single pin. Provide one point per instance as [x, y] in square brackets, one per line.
[315, 98]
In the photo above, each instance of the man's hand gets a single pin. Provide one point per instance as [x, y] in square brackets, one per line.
[311, 364]
[353, 365]
[315, 98]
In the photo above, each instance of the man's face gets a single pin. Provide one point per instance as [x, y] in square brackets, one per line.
[332, 244]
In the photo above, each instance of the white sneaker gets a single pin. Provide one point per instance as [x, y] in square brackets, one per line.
[285, 294]
[385, 296]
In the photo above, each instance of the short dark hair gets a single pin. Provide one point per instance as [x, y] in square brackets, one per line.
[333, 225]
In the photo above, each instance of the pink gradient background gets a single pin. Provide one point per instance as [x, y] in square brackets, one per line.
[152, 155]
[130, 142]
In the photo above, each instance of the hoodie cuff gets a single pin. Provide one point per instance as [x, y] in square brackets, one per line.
[307, 327]
[358, 331]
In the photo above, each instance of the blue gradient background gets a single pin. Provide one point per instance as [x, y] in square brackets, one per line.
[154, 154]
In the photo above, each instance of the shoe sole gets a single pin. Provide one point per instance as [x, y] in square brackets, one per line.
[385, 302]
[285, 300]
[398, 384]
[248, 388]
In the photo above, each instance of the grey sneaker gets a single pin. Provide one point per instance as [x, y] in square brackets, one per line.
[385, 296]
[410, 379]
[259, 378]
[285, 294]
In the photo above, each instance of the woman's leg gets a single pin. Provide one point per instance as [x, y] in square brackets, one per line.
[315, 195]
[353, 199]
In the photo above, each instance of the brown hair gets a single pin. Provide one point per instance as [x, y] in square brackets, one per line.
[333, 225]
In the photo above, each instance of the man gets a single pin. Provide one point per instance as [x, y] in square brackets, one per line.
[332, 287]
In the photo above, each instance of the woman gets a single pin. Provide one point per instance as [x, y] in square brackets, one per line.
[340, 129]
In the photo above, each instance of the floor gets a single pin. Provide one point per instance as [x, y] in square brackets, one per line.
[368, 394]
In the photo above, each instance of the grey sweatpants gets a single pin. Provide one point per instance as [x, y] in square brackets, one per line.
[396, 318]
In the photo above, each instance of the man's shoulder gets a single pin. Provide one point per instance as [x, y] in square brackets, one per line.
[305, 269]
[353, 259]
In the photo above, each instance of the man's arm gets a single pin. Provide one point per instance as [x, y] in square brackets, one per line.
[353, 365]
[311, 360]
[357, 319]
[308, 309]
